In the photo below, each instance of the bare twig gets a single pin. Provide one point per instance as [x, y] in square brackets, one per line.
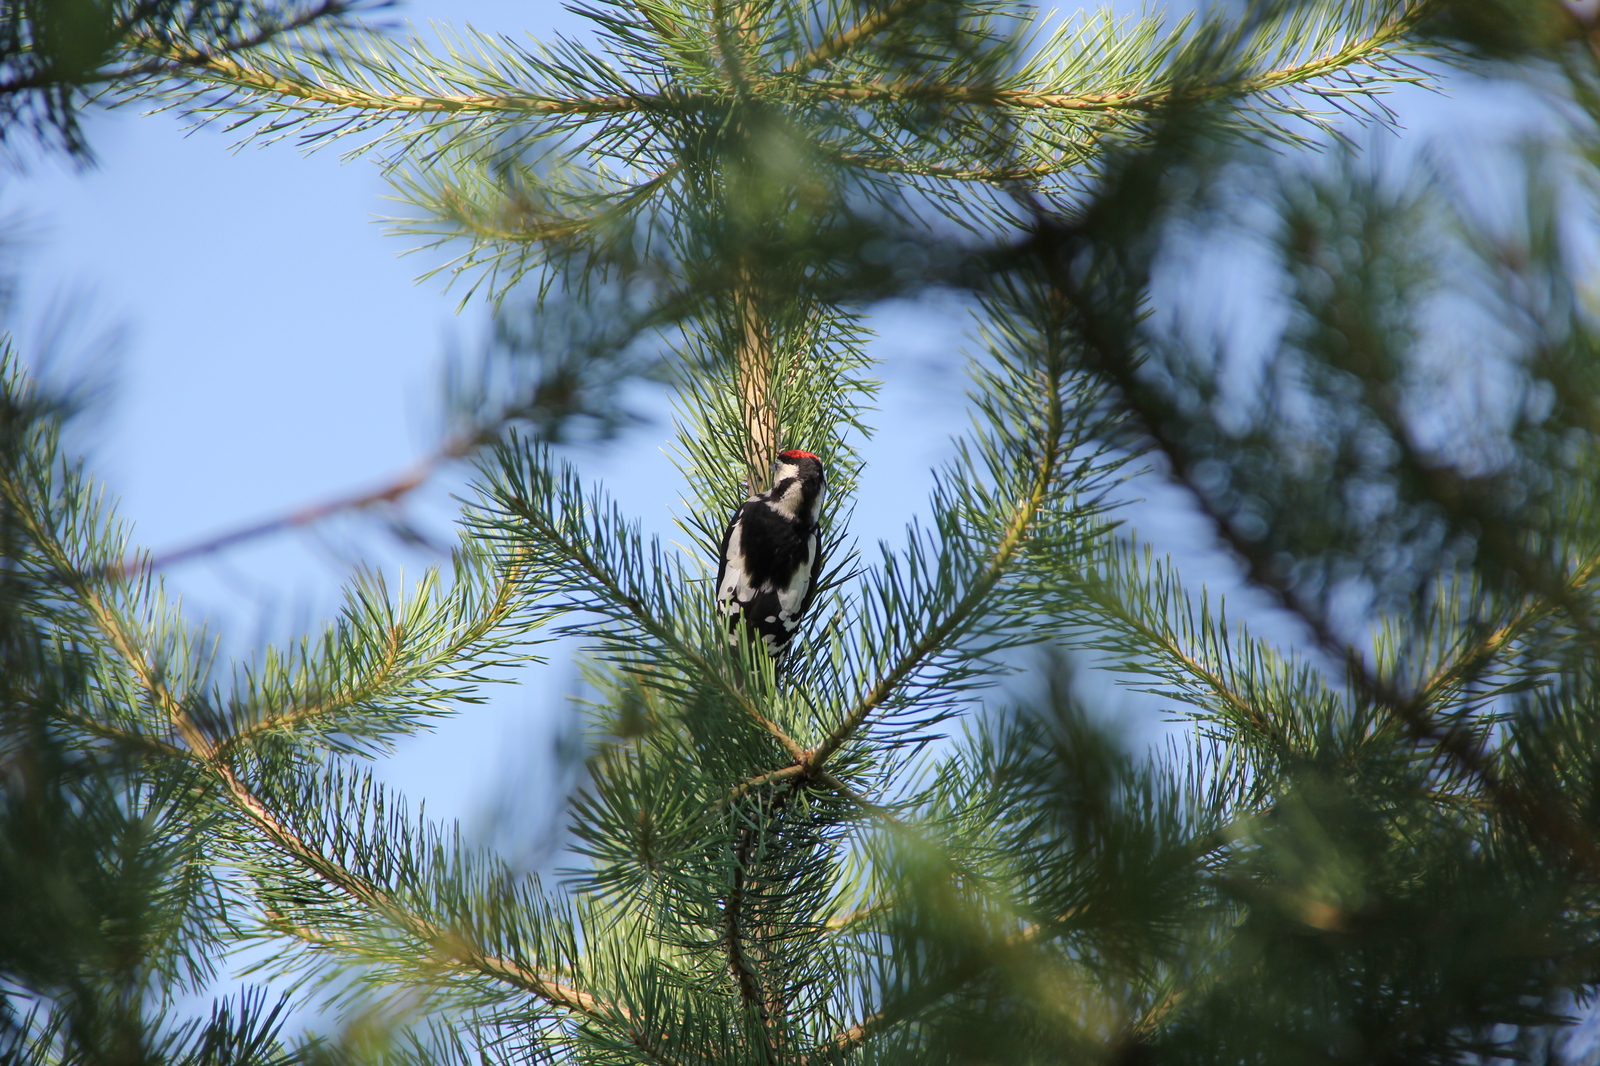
[388, 492]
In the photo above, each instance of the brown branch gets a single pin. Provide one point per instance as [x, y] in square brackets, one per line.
[512, 973]
[388, 492]
[859, 1033]
[749, 785]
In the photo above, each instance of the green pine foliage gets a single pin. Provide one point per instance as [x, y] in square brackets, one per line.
[1378, 840]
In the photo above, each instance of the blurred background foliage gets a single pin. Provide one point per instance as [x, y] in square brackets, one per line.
[57, 56]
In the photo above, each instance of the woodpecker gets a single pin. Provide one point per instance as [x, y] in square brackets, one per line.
[771, 554]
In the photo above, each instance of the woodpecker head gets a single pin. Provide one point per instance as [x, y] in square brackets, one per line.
[797, 484]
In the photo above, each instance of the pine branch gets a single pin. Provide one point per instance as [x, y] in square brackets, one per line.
[730, 41]
[138, 742]
[858, 1034]
[233, 72]
[549, 522]
[700, 666]
[1154, 631]
[1003, 175]
[740, 965]
[357, 889]
[341, 84]
[1472, 661]
[1149, 101]
[937, 636]
[837, 44]
[200, 749]
[516, 219]
[228, 70]
[396, 672]
[174, 60]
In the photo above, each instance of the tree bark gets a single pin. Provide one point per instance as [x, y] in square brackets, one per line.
[756, 404]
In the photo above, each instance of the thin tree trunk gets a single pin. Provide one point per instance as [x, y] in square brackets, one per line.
[756, 404]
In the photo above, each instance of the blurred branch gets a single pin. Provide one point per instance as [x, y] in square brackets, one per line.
[839, 43]
[55, 55]
[389, 492]
[174, 58]
[1057, 246]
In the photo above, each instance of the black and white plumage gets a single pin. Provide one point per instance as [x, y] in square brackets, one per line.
[771, 554]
